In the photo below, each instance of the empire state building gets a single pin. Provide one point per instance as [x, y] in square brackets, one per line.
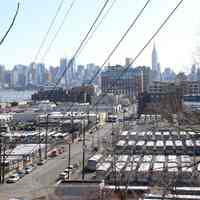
[155, 65]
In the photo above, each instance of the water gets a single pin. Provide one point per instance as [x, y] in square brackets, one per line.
[14, 95]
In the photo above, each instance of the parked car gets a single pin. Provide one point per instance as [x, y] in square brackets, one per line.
[28, 169]
[71, 167]
[21, 173]
[64, 176]
[41, 162]
[13, 178]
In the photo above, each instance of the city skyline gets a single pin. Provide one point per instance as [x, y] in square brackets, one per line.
[175, 45]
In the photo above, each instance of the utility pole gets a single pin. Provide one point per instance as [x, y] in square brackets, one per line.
[46, 135]
[83, 149]
[83, 144]
[4, 158]
[69, 157]
[0, 159]
[123, 118]
[39, 141]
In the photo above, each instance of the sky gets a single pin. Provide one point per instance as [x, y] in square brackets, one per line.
[176, 44]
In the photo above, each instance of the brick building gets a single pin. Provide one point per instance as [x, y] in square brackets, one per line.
[121, 81]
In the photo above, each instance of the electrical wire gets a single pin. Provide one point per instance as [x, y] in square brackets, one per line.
[58, 30]
[49, 29]
[98, 25]
[119, 42]
[146, 45]
[82, 43]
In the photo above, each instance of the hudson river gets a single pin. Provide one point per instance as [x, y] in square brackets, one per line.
[15, 95]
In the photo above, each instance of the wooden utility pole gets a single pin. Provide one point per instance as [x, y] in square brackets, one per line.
[4, 159]
[39, 141]
[46, 135]
[0, 159]
[83, 144]
[83, 150]
[69, 157]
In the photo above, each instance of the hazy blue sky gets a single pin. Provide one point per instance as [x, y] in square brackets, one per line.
[176, 43]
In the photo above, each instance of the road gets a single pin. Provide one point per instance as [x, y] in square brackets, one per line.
[44, 177]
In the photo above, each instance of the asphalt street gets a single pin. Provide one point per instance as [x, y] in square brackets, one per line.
[44, 177]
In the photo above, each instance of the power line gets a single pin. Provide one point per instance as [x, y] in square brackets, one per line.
[49, 29]
[11, 25]
[98, 25]
[82, 42]
[146, 45]
[58, 30]
[118, 43]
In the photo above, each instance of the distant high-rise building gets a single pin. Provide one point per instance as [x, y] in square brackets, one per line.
[91, 73]
[2, 73]
[31, 80]
[40, 74]
[143, 78]
[198, 74]
[168, 75]
[128, 61]
[155, 65]
[19, 73]
[62, 72]
[193, 73]
[80, 73]
[53, 72]
[8, 78]
[72, 69]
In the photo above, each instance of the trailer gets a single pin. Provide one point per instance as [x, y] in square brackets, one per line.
[143, 173]
[172, 171]
[190, 146]
[116, 175]
[150, 146]
[121, 144]
[175, 135]
[172, 158]
[141, 135]
[159, 146]
[130, 172]
[179, 146]
[158, 135]
[133, 135]
[186, 174]
[93, 161]
[122, 158]
[157, 172]
[160, 158]
[140, 145]
[197, 149]
[102, 170]
[147, 158]
[149, 135]
[169, 147]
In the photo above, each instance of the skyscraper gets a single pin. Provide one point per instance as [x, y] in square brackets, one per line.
[62, 68]
[19, 73]
[155, 65]
[40, 74]
[2, 73]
